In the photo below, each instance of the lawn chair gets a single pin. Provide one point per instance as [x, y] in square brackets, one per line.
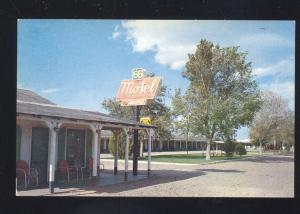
[65, 169]
[24, 172]
[89, 168]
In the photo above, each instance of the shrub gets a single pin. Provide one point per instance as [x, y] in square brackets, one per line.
[121, 139]
[240, 149]
[229, 148]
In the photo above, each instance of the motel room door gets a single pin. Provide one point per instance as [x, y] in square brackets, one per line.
[75, 146]
[39, 152]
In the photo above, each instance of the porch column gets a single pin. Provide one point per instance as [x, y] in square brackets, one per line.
[53, 126]
[141, 148]
[96, 129]
[127, 133]
[149, 150]
[116, 133]
[160, 145]
[216, 149]
[99, 147]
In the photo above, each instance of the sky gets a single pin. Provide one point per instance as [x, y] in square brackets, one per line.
[79, 63]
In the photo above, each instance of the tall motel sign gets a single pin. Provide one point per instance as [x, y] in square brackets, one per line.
[138, 92]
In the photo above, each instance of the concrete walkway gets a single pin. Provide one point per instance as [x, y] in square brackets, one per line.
[165, 153]
[105, 179]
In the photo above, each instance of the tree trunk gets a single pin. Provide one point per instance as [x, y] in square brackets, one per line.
[187, 148]
[260, 148]
[208, 150]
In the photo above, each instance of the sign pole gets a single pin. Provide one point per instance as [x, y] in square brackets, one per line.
[136, 142]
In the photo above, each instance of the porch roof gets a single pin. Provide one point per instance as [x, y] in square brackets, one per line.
[50, 110]
[29, 96]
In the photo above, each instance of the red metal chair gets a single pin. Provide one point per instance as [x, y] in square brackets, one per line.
[65, 169]
[24, 172]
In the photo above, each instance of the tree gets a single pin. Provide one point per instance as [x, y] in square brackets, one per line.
[223, 92]
[267, 120]
[181, 110]
[156, 109]
[240, 149]
[285, 130]
[120, 140]
[229, 148]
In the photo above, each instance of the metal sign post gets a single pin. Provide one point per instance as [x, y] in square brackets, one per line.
[135, 142]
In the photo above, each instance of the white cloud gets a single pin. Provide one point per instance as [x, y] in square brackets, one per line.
[172, 40]
[50, 90]
[284, 89]
[116, 33]
[284, 67]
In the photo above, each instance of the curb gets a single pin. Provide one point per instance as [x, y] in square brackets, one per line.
[194, 164]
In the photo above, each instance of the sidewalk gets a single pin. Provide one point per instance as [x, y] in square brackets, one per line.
[104, 156]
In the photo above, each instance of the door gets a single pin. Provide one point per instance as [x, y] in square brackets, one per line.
[75, 146]
[39, 151]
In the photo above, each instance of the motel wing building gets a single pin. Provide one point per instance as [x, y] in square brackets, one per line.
[47, 133]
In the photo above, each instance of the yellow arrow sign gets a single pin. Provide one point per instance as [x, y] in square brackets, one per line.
[145, 120]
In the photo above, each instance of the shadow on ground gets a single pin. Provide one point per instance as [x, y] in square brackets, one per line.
[157, 177]
[270, 159]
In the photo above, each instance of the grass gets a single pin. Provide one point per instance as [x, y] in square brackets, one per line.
[193, 158]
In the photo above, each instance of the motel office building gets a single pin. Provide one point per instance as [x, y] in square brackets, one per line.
[47, 133]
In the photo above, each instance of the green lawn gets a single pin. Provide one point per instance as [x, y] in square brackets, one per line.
[192, 158]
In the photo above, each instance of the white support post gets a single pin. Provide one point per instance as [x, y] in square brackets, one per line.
[127, 132]
[99, 148]
[96, 129]
[116, 134]
[53, 125]
[149, 151]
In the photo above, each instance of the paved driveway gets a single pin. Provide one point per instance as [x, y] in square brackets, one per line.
[267, 176]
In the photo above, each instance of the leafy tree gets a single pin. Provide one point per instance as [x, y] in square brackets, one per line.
[229, 148]
[240, 149]
[285, 130]
[181, 110]
[268, 119]
[120, 139]
[223, 92]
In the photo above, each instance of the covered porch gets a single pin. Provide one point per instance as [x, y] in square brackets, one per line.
[48, 134]
[89, 186]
